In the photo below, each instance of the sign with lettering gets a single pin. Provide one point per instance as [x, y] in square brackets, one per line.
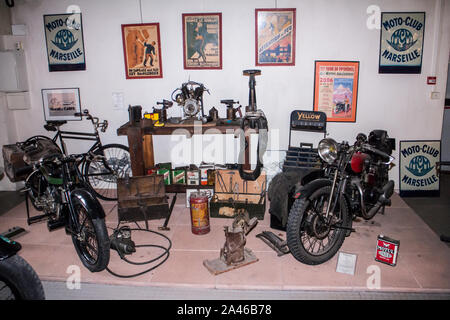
[336, 89]
[401, 42]
[65, 45]
[418, 175]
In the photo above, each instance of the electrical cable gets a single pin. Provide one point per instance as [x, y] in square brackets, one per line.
[164, 255]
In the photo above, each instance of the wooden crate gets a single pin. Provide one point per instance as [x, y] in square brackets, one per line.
[142, 198]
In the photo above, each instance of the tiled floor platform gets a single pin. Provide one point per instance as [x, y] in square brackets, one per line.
[423, 261]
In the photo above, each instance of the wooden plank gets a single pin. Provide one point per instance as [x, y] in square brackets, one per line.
[218, 266]
[136, 150]
[149, 159]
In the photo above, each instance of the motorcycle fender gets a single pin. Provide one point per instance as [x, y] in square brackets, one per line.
[309, 188]
[90, 202]
[8, 248]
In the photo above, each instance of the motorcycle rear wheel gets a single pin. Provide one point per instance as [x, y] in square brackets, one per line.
[19, 281]
[92, 242]
[310, 239]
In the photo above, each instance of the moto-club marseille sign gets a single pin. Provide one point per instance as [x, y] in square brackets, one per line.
[65, 46]
[401, 42]
[418, 176]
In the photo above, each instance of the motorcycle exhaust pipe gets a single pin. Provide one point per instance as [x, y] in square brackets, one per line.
[388, 191]
[383, 200]
[55, 224]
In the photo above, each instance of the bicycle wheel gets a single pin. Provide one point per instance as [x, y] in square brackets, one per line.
[102, 175]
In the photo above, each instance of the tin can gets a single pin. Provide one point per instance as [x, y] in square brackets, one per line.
[199, 213]
[193, 177]
[179, 176]
[387, 250]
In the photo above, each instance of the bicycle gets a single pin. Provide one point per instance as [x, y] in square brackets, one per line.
[100, 173]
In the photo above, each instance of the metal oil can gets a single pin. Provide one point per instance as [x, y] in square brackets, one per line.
[199, 212]
[387, 250]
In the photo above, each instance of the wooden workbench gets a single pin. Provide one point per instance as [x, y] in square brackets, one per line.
[140, 138]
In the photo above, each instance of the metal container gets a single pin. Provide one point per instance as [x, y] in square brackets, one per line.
[199, 213]
[135, 114]
[387, 250]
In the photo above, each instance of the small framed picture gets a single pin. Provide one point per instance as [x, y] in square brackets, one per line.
[61, 104]
[275, 37]
[142, 50]
[336, 89]
[202, 40]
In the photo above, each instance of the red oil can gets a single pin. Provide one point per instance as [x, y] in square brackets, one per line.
[387, 250]
[199, 212]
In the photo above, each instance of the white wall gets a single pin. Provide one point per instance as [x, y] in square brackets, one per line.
[330, 30]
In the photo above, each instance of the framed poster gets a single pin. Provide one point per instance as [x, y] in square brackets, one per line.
[401, 42]
[142, 50]
[64, 39]
[336, 89]
[275, 37]
[418, 168]
[202, 40]
[61, 104]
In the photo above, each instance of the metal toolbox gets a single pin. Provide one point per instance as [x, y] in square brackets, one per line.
[142, 198]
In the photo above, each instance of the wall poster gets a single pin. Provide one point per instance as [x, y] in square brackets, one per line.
[336, 89]
[417, 170]
[202, 40]
[61, 104]
[275, 37]
[65, 45]
[401, 42]
[142, 50]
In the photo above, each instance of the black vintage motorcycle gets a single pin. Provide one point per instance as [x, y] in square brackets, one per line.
[354, 182]
[55, 186]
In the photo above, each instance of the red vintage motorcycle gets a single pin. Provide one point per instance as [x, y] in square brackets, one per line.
[354, 182]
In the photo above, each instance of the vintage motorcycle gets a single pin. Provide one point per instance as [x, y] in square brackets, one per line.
[18, 280]
[354, 182]
[55, 185]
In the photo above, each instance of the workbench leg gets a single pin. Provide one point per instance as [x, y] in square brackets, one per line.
[149, 159]
[246, 165]
[136, 151]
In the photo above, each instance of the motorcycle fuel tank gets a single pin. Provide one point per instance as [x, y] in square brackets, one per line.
[357, 162]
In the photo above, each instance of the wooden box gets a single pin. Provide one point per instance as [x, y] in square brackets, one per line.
[230, 188]
[142, 198]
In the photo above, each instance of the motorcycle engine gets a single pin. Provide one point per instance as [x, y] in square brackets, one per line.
[49, 201]
[191, 107]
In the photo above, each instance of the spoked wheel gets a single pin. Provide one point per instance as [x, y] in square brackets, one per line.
[102, 174]
[91, 239]
[312, 237]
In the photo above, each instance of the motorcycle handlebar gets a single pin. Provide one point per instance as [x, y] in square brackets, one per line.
[380, 153]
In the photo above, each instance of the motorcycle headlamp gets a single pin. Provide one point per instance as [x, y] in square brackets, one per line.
[328, 150]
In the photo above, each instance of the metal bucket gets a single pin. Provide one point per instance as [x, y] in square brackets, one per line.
[199, 212]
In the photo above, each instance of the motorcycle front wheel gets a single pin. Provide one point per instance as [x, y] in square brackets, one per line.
[311, 238]
[91, 240]
[19, 281]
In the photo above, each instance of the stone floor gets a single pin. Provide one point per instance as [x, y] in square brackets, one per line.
[423, 261]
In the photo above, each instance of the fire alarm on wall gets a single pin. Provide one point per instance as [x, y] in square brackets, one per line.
[431, 80]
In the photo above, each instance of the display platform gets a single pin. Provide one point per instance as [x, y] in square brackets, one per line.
[423, 260]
